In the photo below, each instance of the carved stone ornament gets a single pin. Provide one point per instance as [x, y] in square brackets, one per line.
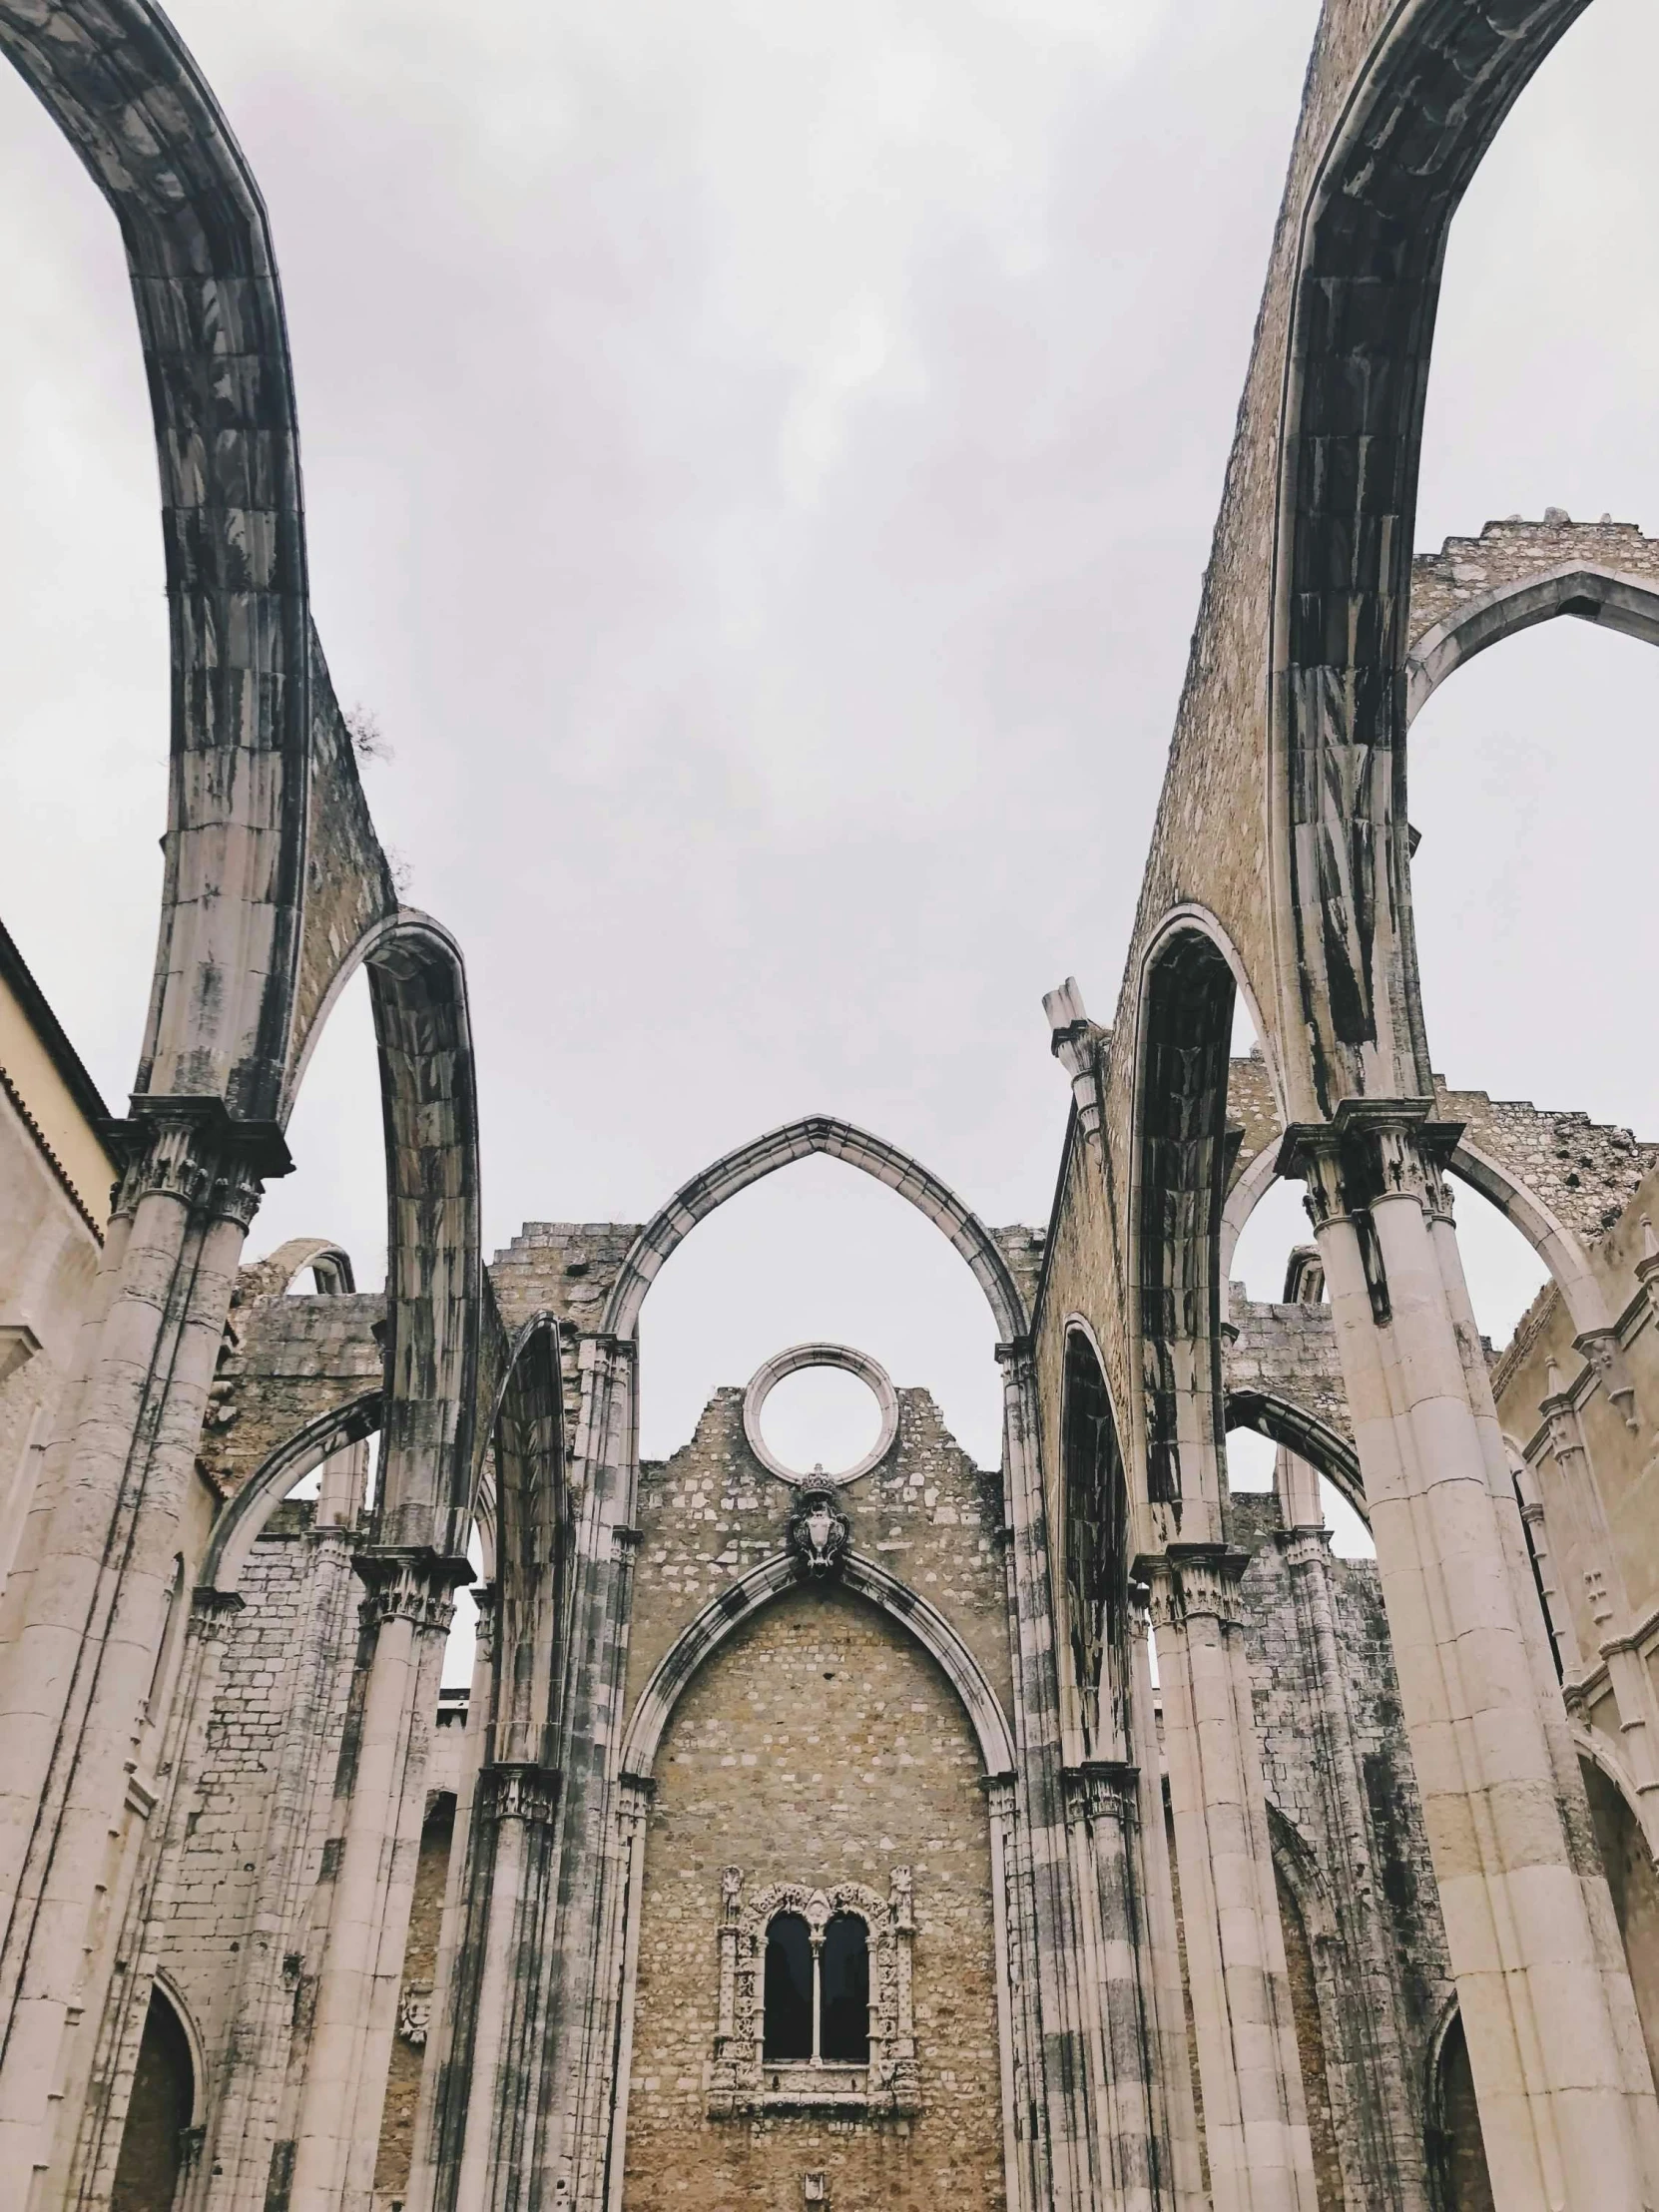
[741, 2078]
[819, 1531]
[414, 2013]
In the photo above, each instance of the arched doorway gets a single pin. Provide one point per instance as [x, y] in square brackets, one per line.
[156, 2147]
[1634, 1885]
[1456, 2148]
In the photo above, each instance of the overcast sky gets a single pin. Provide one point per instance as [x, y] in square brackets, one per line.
[760, 464]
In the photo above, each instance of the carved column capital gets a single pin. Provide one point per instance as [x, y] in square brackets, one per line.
[410, 1582]
[1103, 1790]
[514, 1790]
[1371, 1149]
[192, 1150]
[484, 1595]
[1305, 1548]
[1191, 1581]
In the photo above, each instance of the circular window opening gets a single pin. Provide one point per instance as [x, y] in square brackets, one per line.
[819, 1412]
[821, 1420]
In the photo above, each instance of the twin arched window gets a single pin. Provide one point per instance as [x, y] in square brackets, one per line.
[816, 1996]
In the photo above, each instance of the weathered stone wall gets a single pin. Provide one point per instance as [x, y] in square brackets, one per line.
[208, 1915]
[1287, 1351]
[1447, 583]
[285, 1360]
[49, 1256]
[820, 1745]
[927, 1514]
[1624, 1464]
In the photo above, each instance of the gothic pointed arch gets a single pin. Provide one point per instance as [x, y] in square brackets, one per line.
[237, 1529]
[436, 1298]
[799, 1140]
[1181, 1158]
[532, 1528]
[128, 97]
[708, 1630]
[1627, 604]
[1282, 1421]
[1097, 1548]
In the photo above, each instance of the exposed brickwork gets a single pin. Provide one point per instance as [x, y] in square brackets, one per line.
[1309, 2044]
[820, 1745]
[391, 2167]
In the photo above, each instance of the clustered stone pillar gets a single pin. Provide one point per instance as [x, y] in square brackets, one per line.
[1255, 2113]
[1566, 2100]
[368, 1875]
[91, 1583]
[1145, 2125]
[1382, 2139]
[1058, 2166]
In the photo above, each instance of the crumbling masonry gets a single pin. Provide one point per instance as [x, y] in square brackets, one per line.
[1353, 1905]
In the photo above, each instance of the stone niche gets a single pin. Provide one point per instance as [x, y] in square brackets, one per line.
[822, 1752]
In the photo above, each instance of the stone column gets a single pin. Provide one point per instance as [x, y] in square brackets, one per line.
[1175, 2117]
[634, 1795]
[1104, 1806]
[93, 1591]
[1255, 2113]
[1060, 2146]
[383, 1772]
[161, 1850]
[516, 1805]
[441, 2108]
[1380, 2132]
[1566, 2124]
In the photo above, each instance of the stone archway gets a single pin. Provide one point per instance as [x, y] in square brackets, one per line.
[157, 2145]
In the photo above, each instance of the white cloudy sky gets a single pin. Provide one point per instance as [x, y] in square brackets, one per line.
[760, 462]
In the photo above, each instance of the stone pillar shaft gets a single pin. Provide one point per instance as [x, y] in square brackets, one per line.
[92, 1596]
[1562, 2124]
[1382, 2132]
[382, 1778]
[1254, 2114]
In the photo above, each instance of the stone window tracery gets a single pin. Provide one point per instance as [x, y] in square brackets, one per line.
[815, 1999]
